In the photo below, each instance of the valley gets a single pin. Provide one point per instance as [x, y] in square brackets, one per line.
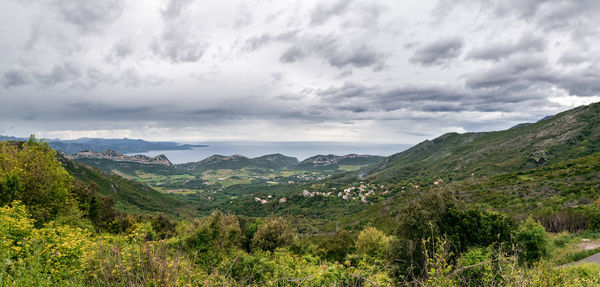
[218, 172]
[467, 194]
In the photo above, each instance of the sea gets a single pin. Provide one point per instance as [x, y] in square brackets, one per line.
[299, 150]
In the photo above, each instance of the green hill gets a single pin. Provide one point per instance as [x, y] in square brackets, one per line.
[275, 161]
[127, 167]
[563, 196]
[235, 161]
[569, 184]
[334, 162]
[128, 195]
[568, 135]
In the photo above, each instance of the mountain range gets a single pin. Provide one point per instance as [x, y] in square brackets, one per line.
[123, 145]
[271, 161]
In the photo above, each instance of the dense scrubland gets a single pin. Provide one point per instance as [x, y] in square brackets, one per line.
[507, 222]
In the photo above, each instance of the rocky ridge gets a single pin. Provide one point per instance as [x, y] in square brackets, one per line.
[117, 156]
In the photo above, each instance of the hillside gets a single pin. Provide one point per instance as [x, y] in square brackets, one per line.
[235, 161]
[275, 161]
[562, 196]
[128, 195]
[567, 135]
[568, 185]
[333, 162]
[278, 161]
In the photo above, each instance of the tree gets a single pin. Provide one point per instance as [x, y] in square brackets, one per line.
[470, 227]
[336, 247]
[532, 241]
[418, 220]
[99, 209]
[226, 230]
[31, 173]
[438, 214]
[372, 242]
[275, 232]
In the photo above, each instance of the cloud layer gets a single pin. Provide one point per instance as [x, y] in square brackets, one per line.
[343, 70]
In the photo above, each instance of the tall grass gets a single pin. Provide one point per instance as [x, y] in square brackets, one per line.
[147, 264]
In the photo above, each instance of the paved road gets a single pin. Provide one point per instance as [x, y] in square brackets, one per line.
[592, 259]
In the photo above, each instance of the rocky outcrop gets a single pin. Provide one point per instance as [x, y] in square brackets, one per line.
[117, 156]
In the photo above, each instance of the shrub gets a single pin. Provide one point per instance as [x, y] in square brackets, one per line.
[438, 214]
[438, 269]
[226, 230]
[474, 228]
[143, 264]
[275, 232]
[61, 249]
[163, 226]
[572, 220]
[16, 228]
[418, 220]
[478, 268]
[372, 242]
[336, 247]
[532, 240]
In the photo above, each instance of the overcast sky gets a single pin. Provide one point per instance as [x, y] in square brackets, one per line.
[371, 71]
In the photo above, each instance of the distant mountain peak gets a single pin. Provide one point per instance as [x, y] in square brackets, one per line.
[117, 156]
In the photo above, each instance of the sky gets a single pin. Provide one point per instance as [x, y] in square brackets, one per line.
[266, 70]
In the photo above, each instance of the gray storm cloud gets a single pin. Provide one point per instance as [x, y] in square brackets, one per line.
[438, 52]
[299, 70]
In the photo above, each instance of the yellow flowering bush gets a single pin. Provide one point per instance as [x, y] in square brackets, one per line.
[16, 227]
[142, 232]
[62, 248]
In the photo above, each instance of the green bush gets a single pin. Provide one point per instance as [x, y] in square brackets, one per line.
[438, 214]
[275, 232]
[372, 242]
[532, 241]
[163, 226]
[474, 227]
[337, 246]
[478, 267]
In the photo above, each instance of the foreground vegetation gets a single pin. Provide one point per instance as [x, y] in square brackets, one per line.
[59, 230]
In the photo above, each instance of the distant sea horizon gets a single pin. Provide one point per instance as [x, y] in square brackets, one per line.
[299, 150]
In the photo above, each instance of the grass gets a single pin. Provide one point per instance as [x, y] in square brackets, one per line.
[345, 167]
[576, 256]
[564, 247]
[121, 174]
[182, 191]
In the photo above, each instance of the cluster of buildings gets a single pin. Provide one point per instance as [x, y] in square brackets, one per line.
[360, 192]
[268, 199]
